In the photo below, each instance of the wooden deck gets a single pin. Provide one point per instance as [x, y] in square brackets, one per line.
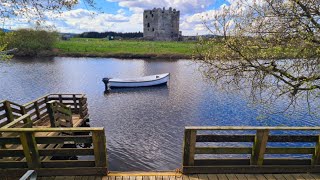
[175, 176]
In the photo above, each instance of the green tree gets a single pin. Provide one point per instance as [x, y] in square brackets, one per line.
[269, 47]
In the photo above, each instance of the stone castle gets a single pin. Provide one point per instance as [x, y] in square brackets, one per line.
[161, 24]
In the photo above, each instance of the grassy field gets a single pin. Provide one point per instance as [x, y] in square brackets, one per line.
[126, 48]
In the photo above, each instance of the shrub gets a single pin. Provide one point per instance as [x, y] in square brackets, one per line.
[31, 42]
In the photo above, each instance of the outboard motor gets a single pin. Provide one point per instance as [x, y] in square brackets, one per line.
[106, 82]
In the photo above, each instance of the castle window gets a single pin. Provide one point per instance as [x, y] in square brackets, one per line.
[152, 29]
[148, 25]
[152, 15]
[146, 16]
[150, 12]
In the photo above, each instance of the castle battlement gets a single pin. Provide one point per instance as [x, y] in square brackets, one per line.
[161, 24]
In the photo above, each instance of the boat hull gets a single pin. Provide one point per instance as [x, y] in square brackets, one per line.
[155, 82]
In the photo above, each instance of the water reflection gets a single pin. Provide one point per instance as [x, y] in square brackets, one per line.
[161, 90]
[144, 126]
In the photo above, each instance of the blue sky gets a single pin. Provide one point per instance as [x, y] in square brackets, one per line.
[126, 15]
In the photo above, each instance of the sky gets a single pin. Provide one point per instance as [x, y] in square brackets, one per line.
[126, 16]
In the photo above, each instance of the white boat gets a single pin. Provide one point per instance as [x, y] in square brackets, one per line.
[152, 80]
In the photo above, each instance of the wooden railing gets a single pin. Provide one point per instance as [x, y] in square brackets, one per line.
[38, 110]
[10, 111]
[253, 150]
[19, 160]
[60, 115]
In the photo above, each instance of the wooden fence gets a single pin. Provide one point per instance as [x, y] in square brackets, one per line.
[38, 110]
[260, 150]
[31, 151]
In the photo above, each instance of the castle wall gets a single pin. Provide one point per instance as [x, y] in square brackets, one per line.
[161, 24]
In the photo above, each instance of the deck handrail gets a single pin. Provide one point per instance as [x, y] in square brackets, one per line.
[74, 129]
[252, 142]
[251, 128]
[26, 143]
[25, 118]
[38, 110]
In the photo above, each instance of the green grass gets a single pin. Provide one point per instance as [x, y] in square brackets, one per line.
[104, 47]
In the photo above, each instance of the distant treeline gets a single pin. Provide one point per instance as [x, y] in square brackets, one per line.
[114, 34]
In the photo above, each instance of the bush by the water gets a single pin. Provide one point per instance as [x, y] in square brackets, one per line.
[32, 42]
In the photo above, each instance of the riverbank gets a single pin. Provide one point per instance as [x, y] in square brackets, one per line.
[85, 47]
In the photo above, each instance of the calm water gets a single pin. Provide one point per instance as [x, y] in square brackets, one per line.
[144, 126]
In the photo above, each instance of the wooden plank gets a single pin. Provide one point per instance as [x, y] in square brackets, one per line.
[63, 139]
[203, 177]
[3, 116]
[269, 177]
[251, 169]
[260, 177]
[241, 176]
[193, 177]
[283, 161]
[13, 164]
[1, 107]
[231, 177]
[212, 177]
[74, 129]
[279, 177]
[292, 138]
[259, 147]
[29, 108]
[225, 138]
[65, 152]
[67, 163]
[223, 150]
[30, 149]
[316, 154]
[9, 140]
[235, 161]
[58, 171]
[100, 148]
[307, 176]
[189, 147]
[11, 153]
[25, 118]
[216, 162]
[286, 150]
[205, 128]
[250, 176]
[222, 177]
[288, 177]
[18, 111]
[316, 176]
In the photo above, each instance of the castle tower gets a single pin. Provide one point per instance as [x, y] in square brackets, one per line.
[161, 24]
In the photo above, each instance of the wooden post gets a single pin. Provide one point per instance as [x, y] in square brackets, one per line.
[259, 147]
[51, 113]
[75, 103]
[36, 106]
[81, 107]
[28, 121]
[23, 110]
[60, 98]
[189, 147]
[99, 148]
[30, 149]
[8, 110]
[316, 156]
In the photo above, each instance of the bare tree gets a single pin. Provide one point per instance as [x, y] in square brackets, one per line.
[269, 47]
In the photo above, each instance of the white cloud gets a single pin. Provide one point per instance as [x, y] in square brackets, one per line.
[193, 13]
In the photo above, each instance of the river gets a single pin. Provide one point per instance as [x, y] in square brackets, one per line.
[144, 126]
